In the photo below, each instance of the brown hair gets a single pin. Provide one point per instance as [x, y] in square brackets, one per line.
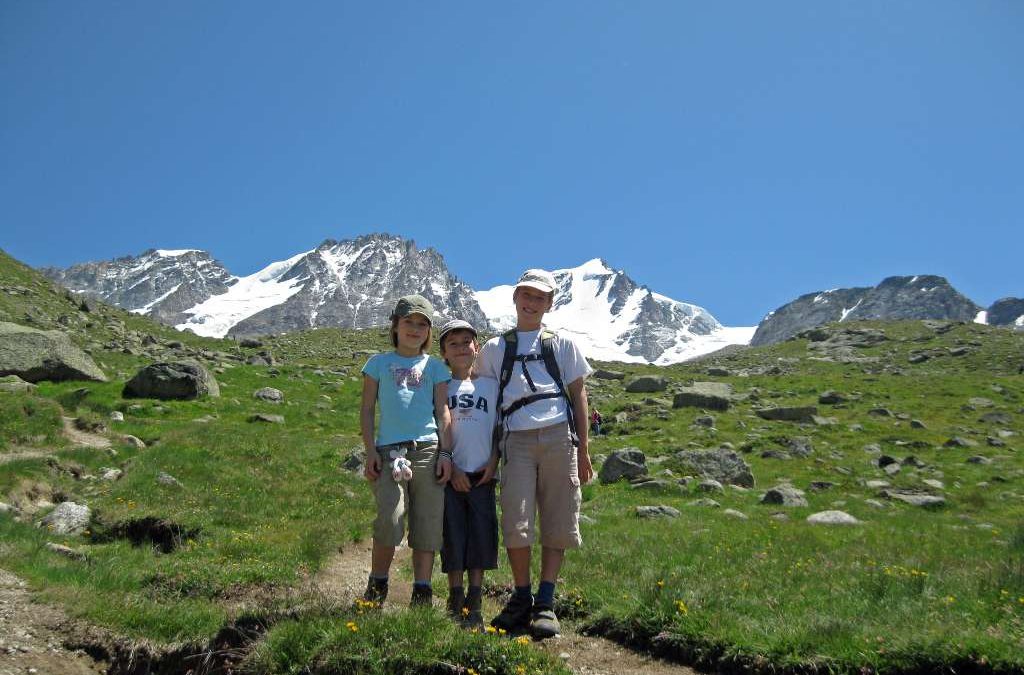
[394, 334]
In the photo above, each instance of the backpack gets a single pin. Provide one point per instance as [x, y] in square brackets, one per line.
[508, 362]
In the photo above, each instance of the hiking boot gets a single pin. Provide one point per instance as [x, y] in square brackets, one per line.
[472, 616]
[456, 598]
[544, 623]
[515, 615]
[376, 592]
[422, 596]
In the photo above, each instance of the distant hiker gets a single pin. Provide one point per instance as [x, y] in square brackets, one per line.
[470, 513]
[412, 389]
[542, 437]
[595, 422]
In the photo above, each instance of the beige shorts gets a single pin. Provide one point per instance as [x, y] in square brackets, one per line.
[540, 475]
[421, 498]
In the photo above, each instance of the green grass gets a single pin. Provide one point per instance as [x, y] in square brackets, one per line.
[264, 506]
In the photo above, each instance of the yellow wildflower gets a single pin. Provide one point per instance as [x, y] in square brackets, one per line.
[523, 640]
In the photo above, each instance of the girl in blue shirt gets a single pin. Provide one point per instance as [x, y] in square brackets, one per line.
[412, 390]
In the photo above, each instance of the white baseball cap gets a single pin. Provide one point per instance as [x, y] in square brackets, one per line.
[542, 280]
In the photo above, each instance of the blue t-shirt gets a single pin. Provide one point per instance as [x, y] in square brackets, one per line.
[405, 391]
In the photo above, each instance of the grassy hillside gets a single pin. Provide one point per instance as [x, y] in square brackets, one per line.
[730, 584]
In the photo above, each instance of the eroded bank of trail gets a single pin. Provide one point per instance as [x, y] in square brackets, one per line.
[343, 579]
[33, 636]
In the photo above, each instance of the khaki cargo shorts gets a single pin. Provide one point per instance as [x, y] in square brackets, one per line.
[540, 475]
[420, 498]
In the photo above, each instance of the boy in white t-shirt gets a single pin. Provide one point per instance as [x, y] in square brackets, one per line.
[470, 515]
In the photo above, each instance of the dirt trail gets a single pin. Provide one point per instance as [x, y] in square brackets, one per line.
[84, 438]
[31, 636]
[344, 578]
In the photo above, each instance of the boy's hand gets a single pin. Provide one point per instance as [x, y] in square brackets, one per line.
[372, 468]
[583, 465]
[444, 470]
[489, 470]
[459, 480]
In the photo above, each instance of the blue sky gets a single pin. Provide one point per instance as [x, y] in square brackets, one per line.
[732, 154]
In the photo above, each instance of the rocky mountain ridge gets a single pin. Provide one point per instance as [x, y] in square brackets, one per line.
[898, 297]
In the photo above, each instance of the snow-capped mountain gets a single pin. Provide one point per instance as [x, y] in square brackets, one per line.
[160, 283]
[347, 284]
[354, 284]
[613, 318]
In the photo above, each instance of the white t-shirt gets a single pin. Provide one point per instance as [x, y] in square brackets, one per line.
[472, 405]
[539, 414]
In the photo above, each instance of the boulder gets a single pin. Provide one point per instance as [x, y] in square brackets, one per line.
[37, 355]
[832, 518]
[269, 419]
[831, 398]
[914, 498]
[602, 374]
[646, 384]
[181, 380]
[627, 463]
[788, 414]
[268, 394]
[720, 464]
[656, 512]
[784, 495]
[707, 395]
[67, 518]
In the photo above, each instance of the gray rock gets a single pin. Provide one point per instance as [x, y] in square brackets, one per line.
[720, 464]
[959, 442]
[935, 484]
[705, 421]
[979, 402]
[739, 515]
[67, 552]
[704, 501]
[719, 372]
[824, 421]
[656, 485]
[788, 413]
[775, 454]
[167, 479]
[800, 446]
[133, 441]
[627, 463]
[646, 384]
[832, 518]
[602, 374]
[831, 398]
[706, 395]
[117, 416]
[784, 495]
[355, 461]
[996, 418]
[36, 355]
[107, 473]
[182, 380]
[710, 485]
[657, 512]
[917, 424]
[67, 518]
[880, 412]
[914, 498]
[269, 394]
[13, 384]
[979, 459]
[876, 484]
[820, 485]
[269, 419]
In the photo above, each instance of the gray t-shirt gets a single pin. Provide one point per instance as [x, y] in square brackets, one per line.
[545, 412]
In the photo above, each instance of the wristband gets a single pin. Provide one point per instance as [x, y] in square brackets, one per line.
[444, 453]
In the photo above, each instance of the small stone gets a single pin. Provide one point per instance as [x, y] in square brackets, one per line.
[117, 416]
[133, 441]
[917, 424]
[979, 459]
[269, 419]
[167, 479]
[733, 513]
[657, 512]
[710, 485]
[959, 442]
[704, 501]
[268, 394]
